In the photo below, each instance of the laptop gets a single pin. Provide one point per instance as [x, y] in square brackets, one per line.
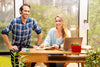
[69, 41]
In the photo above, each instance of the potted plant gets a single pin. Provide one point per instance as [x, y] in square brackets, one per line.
[76, 47]
[93, 59]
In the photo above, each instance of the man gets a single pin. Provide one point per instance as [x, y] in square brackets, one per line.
[21, 29]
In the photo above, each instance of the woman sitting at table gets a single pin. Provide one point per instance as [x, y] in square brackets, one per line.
[56, 37]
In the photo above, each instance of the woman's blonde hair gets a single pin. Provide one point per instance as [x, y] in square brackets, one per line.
[64, 27]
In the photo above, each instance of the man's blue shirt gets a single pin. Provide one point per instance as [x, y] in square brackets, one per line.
[21, 33]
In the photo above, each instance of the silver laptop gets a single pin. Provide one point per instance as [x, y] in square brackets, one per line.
[69, 41]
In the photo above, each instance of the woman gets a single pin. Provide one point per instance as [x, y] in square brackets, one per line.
[56, 36]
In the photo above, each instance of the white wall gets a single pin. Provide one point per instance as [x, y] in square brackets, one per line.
[18, 3]
[82, 17]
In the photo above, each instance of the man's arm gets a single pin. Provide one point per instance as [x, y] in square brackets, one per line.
[39, 38]
[6, 40]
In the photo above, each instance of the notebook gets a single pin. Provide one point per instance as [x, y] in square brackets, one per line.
[69, 41]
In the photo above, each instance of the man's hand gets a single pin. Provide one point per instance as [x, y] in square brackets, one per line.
[5, 37]
[13, 48]
[35, 47]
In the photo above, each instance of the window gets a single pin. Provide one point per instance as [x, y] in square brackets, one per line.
[94, 23]
[44, 12]
[6, 15]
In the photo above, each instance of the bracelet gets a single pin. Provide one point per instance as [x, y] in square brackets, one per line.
[59, 46]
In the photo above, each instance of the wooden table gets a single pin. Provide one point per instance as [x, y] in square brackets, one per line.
[52, 56]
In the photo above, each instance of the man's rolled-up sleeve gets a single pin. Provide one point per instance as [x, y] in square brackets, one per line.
[36, 27]
[8, 28]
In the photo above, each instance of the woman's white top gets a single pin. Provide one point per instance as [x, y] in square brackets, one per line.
[51, 38]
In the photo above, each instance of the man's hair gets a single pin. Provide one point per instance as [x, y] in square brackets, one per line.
[21, 8]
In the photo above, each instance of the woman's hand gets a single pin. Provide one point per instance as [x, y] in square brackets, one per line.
[56, 46]
[41, 46]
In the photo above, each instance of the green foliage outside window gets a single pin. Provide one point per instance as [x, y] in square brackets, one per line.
[45, 16]
[94, 23]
